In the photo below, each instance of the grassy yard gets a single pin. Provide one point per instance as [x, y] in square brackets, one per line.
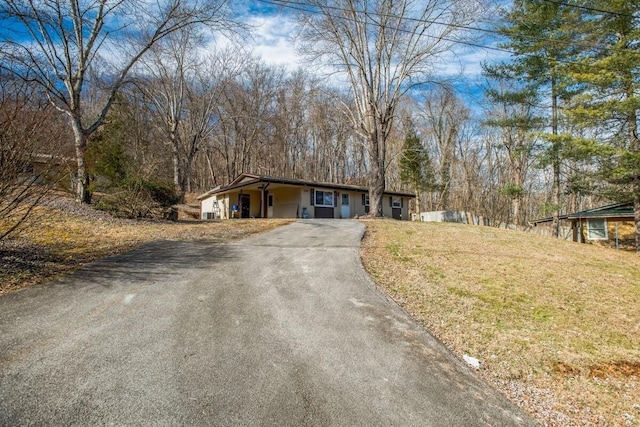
[555, 324]
[59, 241]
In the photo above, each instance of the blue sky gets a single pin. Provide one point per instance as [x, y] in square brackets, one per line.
[274, 26]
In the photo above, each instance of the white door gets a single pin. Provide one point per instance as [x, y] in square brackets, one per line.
[270, 206]
[345, 210]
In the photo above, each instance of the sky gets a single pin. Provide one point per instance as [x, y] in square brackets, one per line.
[273, 29]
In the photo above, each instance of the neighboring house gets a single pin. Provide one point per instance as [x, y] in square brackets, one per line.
[253, 196]
[611, 225]
[47, 169]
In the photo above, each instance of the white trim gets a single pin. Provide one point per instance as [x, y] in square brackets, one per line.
[589, 229]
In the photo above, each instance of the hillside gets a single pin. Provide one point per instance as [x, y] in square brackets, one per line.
[555, 324]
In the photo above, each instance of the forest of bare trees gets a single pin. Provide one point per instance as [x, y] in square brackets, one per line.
[172, 115]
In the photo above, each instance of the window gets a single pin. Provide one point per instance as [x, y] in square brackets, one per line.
[396, 203]
[597, 229]
[324, 198]
[365, 199]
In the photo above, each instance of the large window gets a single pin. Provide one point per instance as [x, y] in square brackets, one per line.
[324, 198]
[597, 229]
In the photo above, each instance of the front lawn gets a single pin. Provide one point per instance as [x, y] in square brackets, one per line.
[555, 324]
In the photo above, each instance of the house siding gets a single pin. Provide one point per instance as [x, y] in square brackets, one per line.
[292, 200]
[286, 202]
[625, 232]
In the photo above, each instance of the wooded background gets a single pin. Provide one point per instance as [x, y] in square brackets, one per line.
[550, 129]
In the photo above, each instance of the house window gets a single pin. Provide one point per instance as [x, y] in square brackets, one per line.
[365, 199]
[324, 198]
[597, 229]
[396, 203]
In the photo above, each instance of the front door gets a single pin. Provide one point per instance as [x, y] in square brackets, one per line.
[245, 200]
[345, 210]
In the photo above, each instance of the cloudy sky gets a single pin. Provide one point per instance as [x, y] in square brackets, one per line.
[273, 28]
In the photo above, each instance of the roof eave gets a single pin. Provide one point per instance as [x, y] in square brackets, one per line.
[237, 184]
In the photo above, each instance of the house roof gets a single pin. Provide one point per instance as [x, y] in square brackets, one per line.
[617, 210]
[246, 180]
[624, 209]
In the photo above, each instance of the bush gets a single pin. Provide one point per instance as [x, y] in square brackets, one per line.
[141, 199]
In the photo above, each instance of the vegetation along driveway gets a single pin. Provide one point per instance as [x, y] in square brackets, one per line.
[283, 328]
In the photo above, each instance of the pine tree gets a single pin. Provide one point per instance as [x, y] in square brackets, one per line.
[416, 169]
[515, 114]
[608, 72]
[540, 33]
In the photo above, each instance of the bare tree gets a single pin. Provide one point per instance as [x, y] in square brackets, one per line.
[183, 87]
[384, 48]
[444, 116]
[66, 43]
[30, 154]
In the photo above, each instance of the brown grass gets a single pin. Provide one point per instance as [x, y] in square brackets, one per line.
[556, 324]
[60, 242]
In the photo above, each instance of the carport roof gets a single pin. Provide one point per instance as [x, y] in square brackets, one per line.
[246, 180]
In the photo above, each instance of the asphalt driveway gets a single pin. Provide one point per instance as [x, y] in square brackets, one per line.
[283, 328]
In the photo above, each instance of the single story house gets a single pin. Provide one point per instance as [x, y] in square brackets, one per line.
[611, 225]
[47, 169]
[254, 196]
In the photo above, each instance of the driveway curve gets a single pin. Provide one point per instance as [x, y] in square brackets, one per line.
[284, 328]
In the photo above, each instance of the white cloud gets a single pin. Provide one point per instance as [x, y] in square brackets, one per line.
[272, 39]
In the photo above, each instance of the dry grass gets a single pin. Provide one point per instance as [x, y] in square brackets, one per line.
[556, 324]
[60, 242]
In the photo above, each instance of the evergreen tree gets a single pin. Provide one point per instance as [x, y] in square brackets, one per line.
[515, 114]
[416, 169]
[540, 33]
[608, 71]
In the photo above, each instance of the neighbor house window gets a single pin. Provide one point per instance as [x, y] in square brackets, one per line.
[597, 229]
[396, 203]
[324, 198]
[365, 199]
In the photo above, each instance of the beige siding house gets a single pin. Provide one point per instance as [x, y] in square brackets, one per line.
[253, 196]
[611, 225]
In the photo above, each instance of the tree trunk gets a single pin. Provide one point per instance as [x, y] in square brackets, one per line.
[175, 151]
[555, 156]
[81, 181]
[377, 179]
[376, 191]
[515, 207]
